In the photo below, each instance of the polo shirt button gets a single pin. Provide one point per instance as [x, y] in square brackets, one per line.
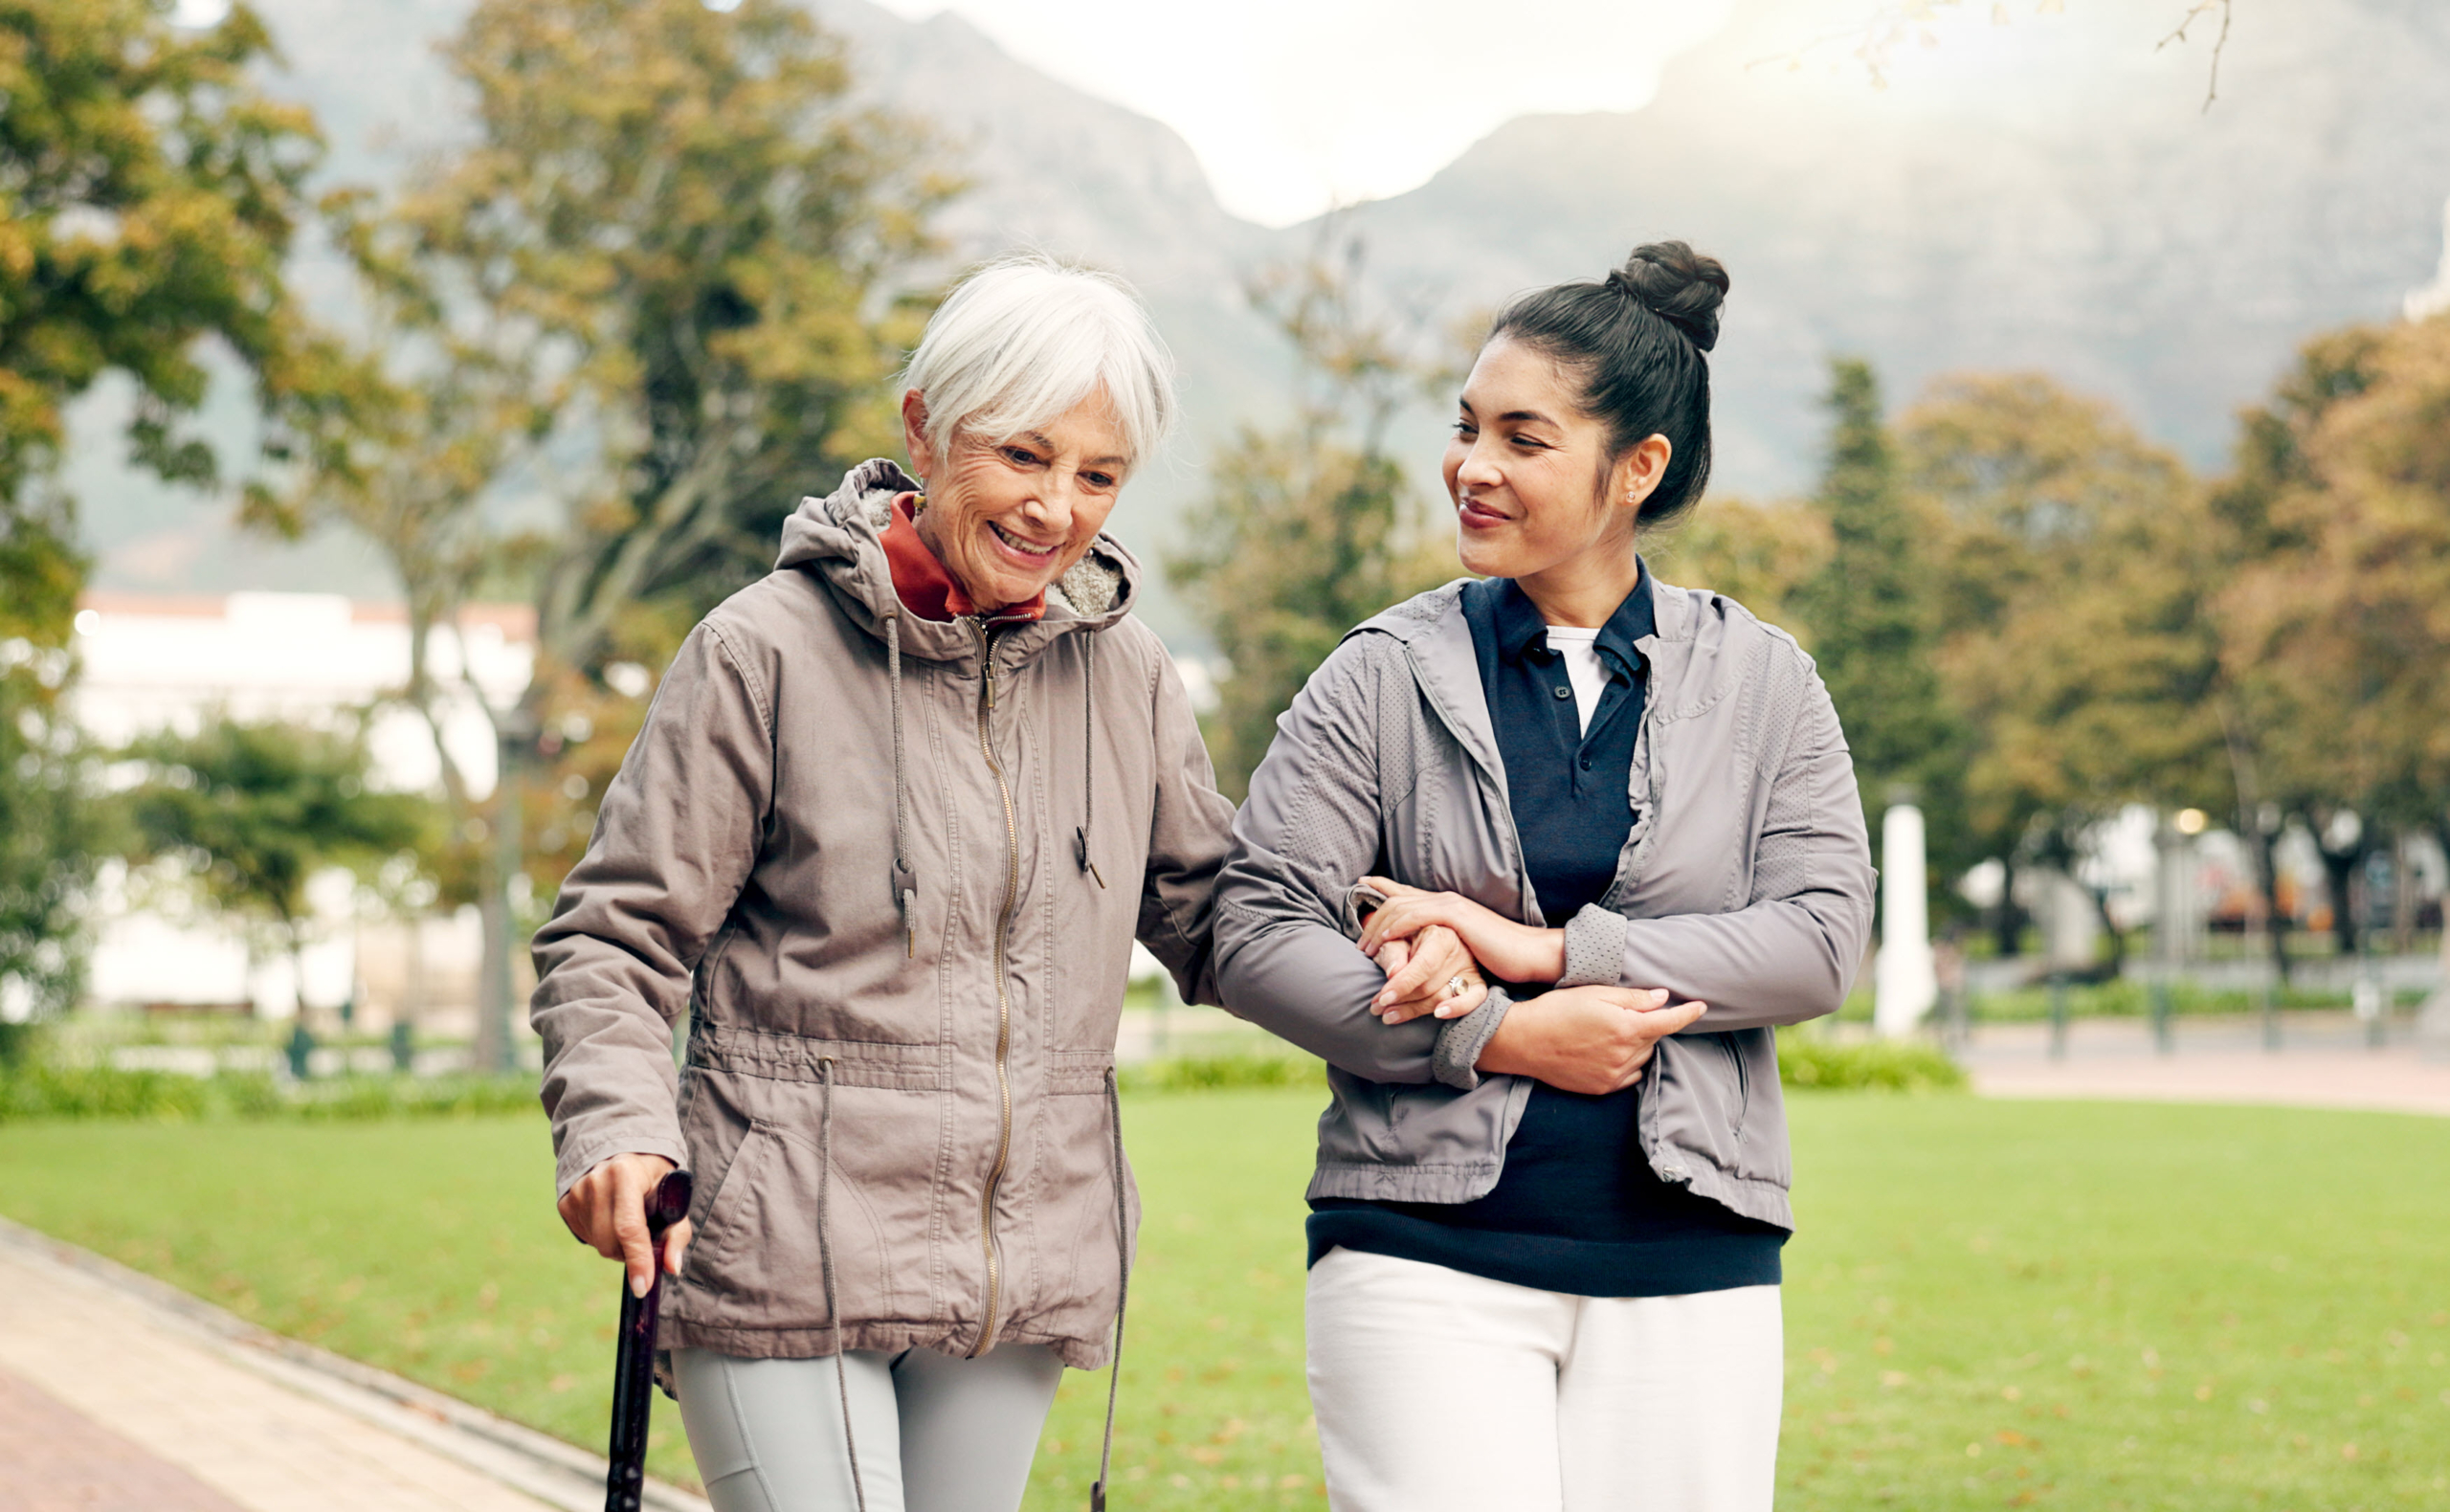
[1565, 693]
[1586, 763]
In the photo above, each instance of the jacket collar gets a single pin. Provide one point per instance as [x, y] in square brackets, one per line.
[1437, 641]
[920, 581]
[1520, 631]
[841, 539]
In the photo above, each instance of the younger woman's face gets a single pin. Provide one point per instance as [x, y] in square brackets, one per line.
[1528, 470]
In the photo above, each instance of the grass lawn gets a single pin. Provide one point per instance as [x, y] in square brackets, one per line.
[2095, 1306]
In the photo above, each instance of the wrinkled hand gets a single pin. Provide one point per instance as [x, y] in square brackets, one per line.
[1589, 1039]
[1515, 952]
[607, 1208]
[1420, 972]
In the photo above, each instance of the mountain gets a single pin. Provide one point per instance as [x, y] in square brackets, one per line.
[2051, 196]
[1047, 167]
[2059, 199]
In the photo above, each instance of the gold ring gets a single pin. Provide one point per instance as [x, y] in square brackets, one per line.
[1457, 986]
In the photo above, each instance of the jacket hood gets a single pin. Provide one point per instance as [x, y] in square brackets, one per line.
[839, 538]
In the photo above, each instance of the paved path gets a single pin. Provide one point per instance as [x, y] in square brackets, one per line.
[54, 1458]
[2322, 1065]
[117, 1395]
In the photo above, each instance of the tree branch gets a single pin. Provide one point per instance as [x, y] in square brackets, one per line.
[2219, 44]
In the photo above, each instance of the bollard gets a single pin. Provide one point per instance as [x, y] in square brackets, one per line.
[301, 1046]
[404, 1047]
[2058, 1015]
[2366, 997]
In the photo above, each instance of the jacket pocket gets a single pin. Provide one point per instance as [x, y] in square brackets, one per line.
[759, 1258]
[1074, 1221]
[1761, 1153]
[1742, 1100]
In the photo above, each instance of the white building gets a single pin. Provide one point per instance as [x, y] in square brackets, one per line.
[153, 663]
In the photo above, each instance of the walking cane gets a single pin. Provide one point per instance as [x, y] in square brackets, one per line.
[634, 1354]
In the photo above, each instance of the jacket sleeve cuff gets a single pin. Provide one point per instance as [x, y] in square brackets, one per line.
[582, 1156]
[1594, 948]
[1359, 902]
[1456, 1059]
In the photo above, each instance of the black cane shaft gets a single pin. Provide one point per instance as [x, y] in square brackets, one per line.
[634, 1356]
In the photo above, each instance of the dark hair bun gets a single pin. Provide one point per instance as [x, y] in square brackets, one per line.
[1677, 285]
[1635, 342]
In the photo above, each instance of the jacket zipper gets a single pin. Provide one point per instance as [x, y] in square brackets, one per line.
[1521, 869]
[1003, 1001]
[1528, 896]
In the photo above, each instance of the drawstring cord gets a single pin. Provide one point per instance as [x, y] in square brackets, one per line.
[825, 1254]
[1089, 757]
[1123, 1295]
[905, 884]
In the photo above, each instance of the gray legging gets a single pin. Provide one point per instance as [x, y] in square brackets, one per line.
[935, 1434]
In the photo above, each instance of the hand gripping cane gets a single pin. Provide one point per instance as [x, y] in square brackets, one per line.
[634, 1355]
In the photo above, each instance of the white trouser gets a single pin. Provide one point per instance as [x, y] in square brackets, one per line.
[1438, 1390]
[935, 1434]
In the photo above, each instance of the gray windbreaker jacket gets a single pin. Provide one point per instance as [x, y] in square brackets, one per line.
[890, 868]
[1745, 882]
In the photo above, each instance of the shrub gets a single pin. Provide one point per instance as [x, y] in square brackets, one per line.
[1210, 1072]
[33, 1089]
[37, 1090]
[362, 1097]
[1809, 1060]
[1804, 1060]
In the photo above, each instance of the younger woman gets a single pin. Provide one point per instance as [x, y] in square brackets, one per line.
[1560, 1213]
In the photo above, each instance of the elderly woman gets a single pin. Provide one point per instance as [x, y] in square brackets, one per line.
[896, 818]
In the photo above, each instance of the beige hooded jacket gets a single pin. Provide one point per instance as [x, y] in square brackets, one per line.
[891, 869]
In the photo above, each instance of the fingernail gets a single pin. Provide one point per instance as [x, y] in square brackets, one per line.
[638, 1287]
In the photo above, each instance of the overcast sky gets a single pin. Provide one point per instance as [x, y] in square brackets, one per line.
[1295, 104]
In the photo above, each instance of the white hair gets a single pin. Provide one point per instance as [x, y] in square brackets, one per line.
[1025, 338]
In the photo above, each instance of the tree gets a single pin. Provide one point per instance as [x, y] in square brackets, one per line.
[1884, 32]
[1872, 612]
[149, 191]
[2072, 576]
[672, 217]
[1313, 528]
[1760, 555]
[46, 825]
[251, 812]
[2339, 620]
[424, 417]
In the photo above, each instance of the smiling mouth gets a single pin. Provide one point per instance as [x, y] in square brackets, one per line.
[1023, 547]
[1475, 513]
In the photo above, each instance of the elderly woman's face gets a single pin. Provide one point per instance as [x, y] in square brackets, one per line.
[1007, 516]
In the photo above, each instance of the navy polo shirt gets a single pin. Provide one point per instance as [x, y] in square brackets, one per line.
[1578, 1208]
